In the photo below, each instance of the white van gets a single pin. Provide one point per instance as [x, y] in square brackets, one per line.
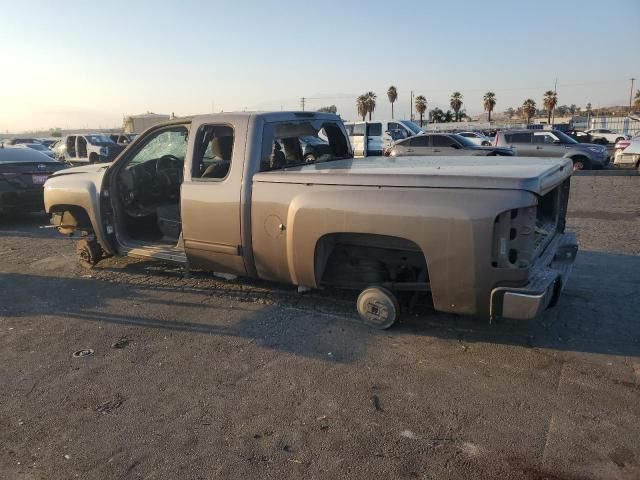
[371, 138]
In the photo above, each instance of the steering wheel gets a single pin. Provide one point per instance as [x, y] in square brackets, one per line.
[169, 160]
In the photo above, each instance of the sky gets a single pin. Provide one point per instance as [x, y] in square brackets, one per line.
[86, 64]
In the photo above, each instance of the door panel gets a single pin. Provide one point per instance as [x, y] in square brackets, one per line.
[210, 198]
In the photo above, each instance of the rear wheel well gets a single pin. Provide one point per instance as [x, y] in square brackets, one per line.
[356, 260]
[69, 218]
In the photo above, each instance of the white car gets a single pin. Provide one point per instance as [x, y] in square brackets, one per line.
[477, 138]
[610, 136]
[627, 154]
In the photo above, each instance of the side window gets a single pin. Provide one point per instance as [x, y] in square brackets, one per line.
[524, 137]
[375, 129]
[214, 152]
[544, 138]
[170, 143]
[349, 129]
[358, 130]
[395, 126]
[441, 141]
[420, 141]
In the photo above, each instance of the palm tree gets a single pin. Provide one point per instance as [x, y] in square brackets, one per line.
[370, 102]
[528, 109]
[421, 106]
[361, 105]
[489, 101]
[636, 100]
[456, 103]
[392, 94]
[550, 101]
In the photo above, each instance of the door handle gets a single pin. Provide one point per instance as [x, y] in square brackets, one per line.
[538, 148]
[409, 149]
[436, 150]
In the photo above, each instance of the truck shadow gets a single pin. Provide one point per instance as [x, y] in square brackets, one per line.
[596, 313]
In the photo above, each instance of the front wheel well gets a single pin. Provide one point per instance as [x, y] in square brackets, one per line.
[356, 260]
[69, 218]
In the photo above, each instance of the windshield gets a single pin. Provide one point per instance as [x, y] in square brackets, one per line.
[464, 141]
[564, 138]
[99, 140]
[411, 126]
[289, 144]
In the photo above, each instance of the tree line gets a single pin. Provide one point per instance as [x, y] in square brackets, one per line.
[366, 105]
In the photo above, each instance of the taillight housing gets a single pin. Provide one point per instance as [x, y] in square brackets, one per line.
[622, 144]
[514, 238]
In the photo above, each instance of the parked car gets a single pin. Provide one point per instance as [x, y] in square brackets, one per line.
[627, 153]
[554, 143]
[19, 140]
[372, 138]
[477, 138]
[122, 138]
[89, 148]
[584, 137]
[38, 147]
[611, 136]
[47, 142]
[23, 171]
[444, 144]
[216, 192]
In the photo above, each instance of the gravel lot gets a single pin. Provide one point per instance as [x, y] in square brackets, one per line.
[247, 379]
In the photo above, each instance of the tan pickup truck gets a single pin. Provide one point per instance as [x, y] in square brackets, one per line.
[279, 196]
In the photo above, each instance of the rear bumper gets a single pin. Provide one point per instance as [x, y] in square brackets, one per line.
[27, 200]
[547, 278]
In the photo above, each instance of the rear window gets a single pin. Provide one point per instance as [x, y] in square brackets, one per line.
[524, 137]
[289, 144]
[441, 141]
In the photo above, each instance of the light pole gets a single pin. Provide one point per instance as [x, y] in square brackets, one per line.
[631, 94]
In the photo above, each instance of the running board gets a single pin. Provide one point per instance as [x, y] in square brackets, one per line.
[166, 254]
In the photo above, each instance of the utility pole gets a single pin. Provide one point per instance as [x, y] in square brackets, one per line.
[411, 107]
[555, 97]
[302, 100]
[631, 94]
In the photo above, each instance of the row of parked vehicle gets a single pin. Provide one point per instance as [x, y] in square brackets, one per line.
[586, 149]
[77, 148]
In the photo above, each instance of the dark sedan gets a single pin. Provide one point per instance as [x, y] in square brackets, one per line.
[22, 174]
[444, 144]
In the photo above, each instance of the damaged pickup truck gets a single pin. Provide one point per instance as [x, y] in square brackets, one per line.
[235, 193]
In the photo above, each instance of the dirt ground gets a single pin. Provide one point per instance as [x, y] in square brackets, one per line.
[244, 379]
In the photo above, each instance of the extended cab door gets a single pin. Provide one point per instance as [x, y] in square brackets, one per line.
[374, 138]
[210, 196]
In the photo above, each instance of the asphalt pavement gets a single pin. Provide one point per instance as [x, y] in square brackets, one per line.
[133, 371]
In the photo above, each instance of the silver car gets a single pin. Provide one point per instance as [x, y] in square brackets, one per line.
[554, 143]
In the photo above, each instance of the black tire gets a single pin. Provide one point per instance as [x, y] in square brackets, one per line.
[618, 139]
[93, 158]
[309, 158]
[581, 163]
